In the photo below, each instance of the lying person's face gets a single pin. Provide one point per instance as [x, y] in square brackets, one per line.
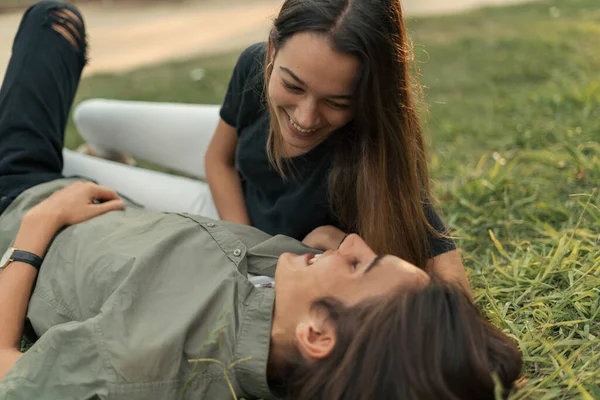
[351, 274]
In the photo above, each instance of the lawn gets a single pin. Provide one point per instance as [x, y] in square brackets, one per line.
[513, 119]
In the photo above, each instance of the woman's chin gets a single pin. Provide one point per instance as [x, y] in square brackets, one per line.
[294, 146]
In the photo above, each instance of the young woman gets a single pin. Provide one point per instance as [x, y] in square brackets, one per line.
[320, 136]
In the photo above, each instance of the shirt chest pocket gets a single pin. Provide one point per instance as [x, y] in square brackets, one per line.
[229, 245]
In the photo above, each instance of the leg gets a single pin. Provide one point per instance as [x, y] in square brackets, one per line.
[49, 53]
[154, 190]
[171, 135]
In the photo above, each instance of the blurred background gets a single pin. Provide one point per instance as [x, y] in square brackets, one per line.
[125, 34]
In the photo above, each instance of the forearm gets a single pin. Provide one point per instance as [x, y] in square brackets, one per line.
[16, 281]
[69, 206]
[226, 189]
[449, 268]
[325, 238]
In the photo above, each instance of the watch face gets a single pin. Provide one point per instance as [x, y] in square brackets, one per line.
[6, 257]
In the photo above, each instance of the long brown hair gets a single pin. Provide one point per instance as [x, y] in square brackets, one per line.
[379, 179]
[428, 344]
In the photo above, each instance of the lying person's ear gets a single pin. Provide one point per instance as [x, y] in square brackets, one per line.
[316, 337]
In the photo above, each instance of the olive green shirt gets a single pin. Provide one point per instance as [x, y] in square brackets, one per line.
[124, 301]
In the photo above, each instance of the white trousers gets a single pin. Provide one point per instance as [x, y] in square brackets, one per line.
[170, 135]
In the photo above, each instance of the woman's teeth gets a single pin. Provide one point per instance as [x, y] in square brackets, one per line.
[300, 128]
[314, 259]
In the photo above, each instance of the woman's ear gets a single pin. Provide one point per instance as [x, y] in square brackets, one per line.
[316, 337]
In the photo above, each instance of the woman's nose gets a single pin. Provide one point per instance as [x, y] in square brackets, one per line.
[307, 115]
[356, 245]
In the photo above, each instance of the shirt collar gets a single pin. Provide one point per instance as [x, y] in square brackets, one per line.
[254, 341]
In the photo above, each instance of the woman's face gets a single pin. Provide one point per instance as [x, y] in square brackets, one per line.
[351, 274]
[311, 90]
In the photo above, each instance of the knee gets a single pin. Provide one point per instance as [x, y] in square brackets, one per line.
[64, 18]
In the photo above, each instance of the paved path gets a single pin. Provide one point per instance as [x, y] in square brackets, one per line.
[123, 38]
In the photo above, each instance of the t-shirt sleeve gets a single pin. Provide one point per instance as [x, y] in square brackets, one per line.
[437, 244]
[244, 79]
[64, 363]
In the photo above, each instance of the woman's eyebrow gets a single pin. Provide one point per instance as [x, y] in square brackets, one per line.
[301, 82]
[374, 263]
[294, 76]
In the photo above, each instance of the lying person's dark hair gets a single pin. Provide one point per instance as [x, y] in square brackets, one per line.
[427, 343]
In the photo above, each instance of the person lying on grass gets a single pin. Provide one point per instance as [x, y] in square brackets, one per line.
[125, 298]
[126, 303]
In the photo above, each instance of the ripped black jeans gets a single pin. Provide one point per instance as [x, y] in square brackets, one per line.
[48, 55]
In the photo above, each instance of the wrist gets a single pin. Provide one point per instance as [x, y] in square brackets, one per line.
[43, 221]
[334, 236]
[331, 237]
[36, 233]
[342, 240]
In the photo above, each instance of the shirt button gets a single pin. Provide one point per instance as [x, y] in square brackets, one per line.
[237, 252]
[210, 225]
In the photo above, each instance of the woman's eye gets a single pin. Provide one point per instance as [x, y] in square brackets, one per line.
[291, 88]
[338, 106]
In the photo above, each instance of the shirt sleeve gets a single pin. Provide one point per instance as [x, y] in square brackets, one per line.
[243, 77]
[64, 363]
[442, 243]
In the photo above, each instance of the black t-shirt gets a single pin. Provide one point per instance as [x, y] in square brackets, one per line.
[296, 205]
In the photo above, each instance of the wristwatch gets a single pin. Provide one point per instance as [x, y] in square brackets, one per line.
[26, 257]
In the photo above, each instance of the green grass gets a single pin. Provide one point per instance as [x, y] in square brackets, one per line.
[514, 125]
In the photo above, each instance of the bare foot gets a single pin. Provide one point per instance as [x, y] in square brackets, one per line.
[117, 157]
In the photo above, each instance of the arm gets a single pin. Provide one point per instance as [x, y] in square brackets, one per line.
[223, 178]
[449, 268]
[16, 283]
[325, 238]
[168, 134]
[69, 206]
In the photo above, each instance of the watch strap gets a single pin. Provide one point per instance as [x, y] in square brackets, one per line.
[28, 258]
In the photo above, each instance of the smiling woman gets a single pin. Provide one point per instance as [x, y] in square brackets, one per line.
[319, 136]
[311, 91]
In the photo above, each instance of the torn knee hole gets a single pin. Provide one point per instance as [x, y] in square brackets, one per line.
[67, 35]
[68, 24]
[68, 15]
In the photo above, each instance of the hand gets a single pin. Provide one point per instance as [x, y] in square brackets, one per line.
[75, 204]
[324, 238]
